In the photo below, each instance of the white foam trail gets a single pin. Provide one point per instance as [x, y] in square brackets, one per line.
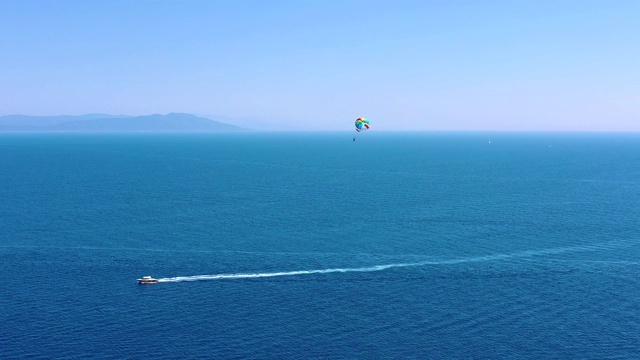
[285, 273]
[523, 254]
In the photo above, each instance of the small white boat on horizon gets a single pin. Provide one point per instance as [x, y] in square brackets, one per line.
[147, 280]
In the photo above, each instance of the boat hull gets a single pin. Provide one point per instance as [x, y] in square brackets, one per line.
[147, 280]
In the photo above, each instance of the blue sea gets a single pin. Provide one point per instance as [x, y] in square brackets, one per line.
[312, 246]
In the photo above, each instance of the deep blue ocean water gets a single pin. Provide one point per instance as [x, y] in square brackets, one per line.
[311, 246]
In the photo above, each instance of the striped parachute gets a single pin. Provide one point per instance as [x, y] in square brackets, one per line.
[362, 124]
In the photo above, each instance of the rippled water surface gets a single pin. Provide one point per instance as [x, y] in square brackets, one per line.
[309, 246]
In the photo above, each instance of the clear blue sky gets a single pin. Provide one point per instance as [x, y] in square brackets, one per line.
[428, 65]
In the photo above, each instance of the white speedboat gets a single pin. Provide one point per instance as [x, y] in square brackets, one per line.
[147, 280]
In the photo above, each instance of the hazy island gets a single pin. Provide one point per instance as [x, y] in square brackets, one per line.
[173, 122]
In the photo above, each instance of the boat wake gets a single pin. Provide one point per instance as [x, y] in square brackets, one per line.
[522, 254]
[284, 273]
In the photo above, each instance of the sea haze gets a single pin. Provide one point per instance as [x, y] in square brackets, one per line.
[313, 246]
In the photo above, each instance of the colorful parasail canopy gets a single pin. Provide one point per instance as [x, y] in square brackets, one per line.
[362, 124]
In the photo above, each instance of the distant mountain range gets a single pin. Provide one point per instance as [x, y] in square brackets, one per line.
[173, 122]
